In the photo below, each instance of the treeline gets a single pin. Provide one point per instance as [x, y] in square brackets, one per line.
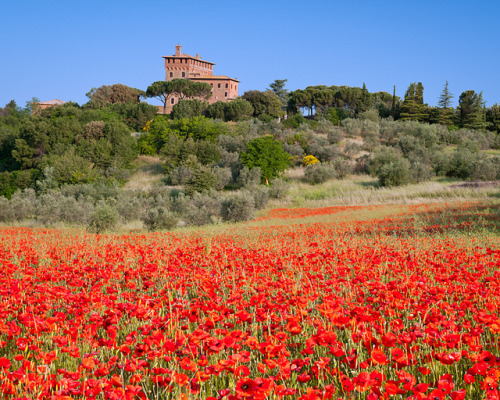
[336, 103]
[222, 161]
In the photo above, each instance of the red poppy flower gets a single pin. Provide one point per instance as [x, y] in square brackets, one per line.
[245, 387]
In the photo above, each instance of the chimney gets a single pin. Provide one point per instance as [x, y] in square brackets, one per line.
[178, 49]
[197, 55]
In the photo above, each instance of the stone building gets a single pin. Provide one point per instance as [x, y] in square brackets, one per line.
[46, 104]
[184, 66]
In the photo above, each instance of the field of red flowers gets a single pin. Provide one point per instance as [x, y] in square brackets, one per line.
[338, 303]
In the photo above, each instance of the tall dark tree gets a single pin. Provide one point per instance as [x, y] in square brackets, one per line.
[445, 98]
[493, 117]
[278, 87]
[471, 110]
[364, 102]
[413, 107]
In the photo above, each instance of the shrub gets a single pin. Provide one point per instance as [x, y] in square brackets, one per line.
[420, 170]
[259, 193]
[383, 155]
[104, 217]
[180, 175]
[71, 168]
[462, 163]
[295, 150]
[341, 166]
[294, 120]
[395, 173]
[486, 169]
[309, 160]
[279, 188]
[370, 115]
[233, 144]
[322, 150]
[6, 211]
[207, 152]
[202, 180]
[200, 209]
[223, 176]
[319, 173]
[158, 218]
[335, 135]
[335, 115]
[247, 177]
[131, 204]
[237, 208]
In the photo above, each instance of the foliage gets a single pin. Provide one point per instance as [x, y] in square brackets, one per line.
[319, 173]
[163, 91]
[471, 110]
[104, 218]
[188, 109]
[70, 168]
[238, 208]
[264, 103]
[413, 107]
[159, 218]
[278, 88]
[202, 180]
[267, 154]
[249, 176]
[309, 160]
[394, 173]
[279, 188]
[235, 110]
[117, 93]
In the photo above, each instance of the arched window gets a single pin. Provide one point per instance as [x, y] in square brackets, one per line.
[171, 74]
[183, 74]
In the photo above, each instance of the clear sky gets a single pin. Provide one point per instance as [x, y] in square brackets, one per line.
[61, 49]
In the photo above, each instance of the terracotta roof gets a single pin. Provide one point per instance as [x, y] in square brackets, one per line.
[188, 56]
[52, 102]
[219, 77]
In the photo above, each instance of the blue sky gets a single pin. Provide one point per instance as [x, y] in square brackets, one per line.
[61, 49]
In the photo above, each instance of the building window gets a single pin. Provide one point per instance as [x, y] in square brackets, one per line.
[231, 85]
[218, 85]
[171, 74]
[227, 85]
[172, 100]
[225, 94]
[211, 84]
[183, 74]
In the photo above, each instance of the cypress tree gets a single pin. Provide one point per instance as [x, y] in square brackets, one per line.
[446, 113]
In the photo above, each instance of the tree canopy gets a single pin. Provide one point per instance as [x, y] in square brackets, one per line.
[113, 94]
[267, 154]
[264, 103]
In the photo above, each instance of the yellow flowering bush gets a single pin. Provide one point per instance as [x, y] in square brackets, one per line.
[309, 160]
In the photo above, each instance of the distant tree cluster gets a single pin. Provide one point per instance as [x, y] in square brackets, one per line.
[339, 102]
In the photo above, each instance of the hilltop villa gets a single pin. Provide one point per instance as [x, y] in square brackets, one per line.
[185, 66]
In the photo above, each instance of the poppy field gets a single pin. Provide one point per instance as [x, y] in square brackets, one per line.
[361, 302]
